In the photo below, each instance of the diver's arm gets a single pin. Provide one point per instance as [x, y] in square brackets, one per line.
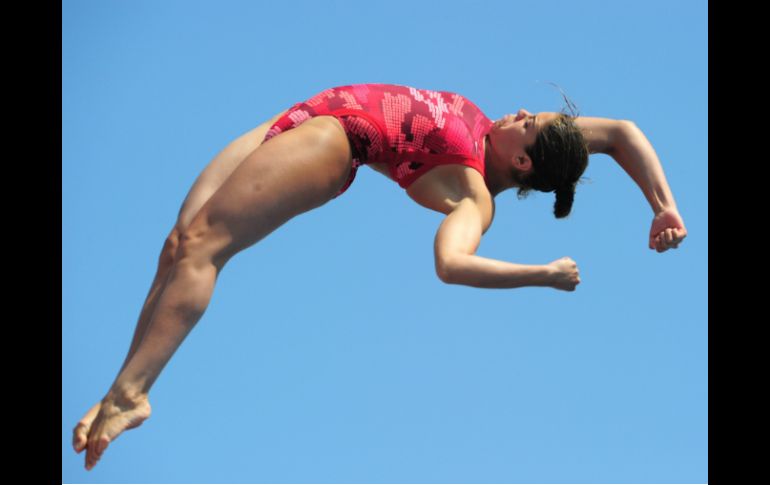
[630, 148]
[634, 153]
[457, 240]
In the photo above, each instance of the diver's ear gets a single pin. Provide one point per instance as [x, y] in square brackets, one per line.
[523, 163]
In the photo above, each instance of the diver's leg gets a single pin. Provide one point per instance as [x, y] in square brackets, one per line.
[207, 183]
[290, 174]
[212, 177]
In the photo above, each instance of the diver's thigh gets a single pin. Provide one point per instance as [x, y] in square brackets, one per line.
[219, 169]
[294, 172]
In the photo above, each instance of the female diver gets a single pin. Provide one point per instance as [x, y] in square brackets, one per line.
[438, 146]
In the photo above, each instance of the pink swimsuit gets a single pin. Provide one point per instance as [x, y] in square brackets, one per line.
[412, 130]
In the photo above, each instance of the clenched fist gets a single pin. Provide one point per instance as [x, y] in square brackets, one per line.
[667, 231]
[565, 275]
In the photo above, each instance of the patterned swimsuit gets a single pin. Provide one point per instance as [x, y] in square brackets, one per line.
[412, 130]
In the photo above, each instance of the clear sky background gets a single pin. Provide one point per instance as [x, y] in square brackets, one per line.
[331, 352]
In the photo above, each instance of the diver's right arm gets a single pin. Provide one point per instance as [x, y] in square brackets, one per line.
[455, 245]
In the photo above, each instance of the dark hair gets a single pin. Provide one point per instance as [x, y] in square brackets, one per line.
[559, 158]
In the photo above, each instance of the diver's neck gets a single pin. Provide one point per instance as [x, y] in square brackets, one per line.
[496, 181]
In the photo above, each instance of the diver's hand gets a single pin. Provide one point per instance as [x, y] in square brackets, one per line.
[564, 274]
[667, 230]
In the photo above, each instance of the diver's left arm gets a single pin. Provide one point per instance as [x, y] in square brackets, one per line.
[629, 147]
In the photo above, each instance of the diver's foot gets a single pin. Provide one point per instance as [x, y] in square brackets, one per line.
[80, 433]
[114, 416]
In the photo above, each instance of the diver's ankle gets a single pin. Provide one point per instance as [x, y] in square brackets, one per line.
[127, 395]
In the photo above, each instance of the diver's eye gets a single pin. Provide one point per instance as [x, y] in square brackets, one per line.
[528, 123]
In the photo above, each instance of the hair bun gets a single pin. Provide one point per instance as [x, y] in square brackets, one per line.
[564, 199]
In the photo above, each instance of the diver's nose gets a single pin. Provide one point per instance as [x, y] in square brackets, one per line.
[522, 113]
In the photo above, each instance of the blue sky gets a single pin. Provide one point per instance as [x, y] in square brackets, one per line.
[331, 352]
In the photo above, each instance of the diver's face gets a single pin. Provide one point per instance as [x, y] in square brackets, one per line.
[512, 134]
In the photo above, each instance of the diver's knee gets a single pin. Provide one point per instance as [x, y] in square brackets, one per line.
[171, 246]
